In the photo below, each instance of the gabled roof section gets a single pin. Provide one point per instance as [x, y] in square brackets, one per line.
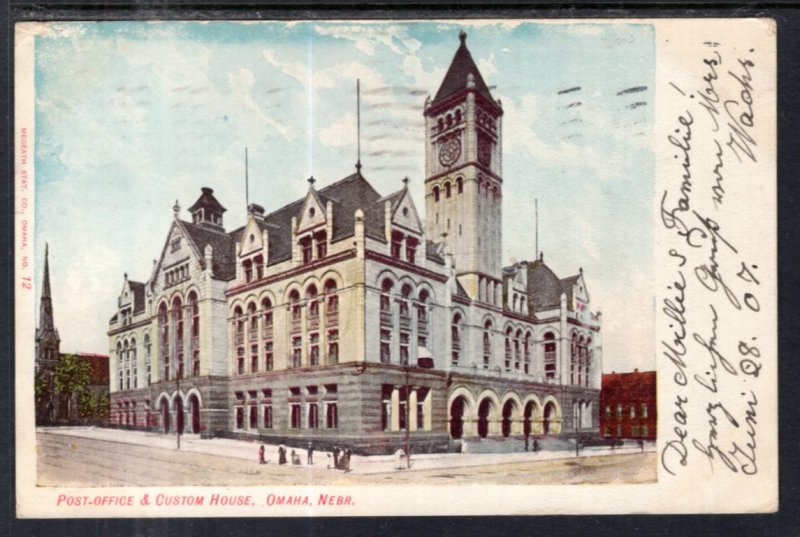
[456, 78]
[137, 289]
[346, 196]
[544, 287]
[432, 252]
[568, 284]
[223, 245]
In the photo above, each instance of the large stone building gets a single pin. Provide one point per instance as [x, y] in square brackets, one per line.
[345, 317]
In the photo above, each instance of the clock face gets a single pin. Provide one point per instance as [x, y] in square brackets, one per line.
[449, 151]
[484, 152]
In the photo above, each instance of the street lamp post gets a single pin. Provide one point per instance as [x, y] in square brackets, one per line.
[406, 369]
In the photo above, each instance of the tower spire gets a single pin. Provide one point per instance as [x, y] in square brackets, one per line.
[46, 334]
[536, 205]
[46, 277]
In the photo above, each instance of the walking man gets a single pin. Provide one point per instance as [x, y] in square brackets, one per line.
[310, 455]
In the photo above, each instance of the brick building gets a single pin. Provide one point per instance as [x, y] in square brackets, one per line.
[346, 317]
[628, 405]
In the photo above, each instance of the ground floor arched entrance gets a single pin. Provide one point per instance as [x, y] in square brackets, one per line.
[179, 418]
[194, 412]
[549, 417]
[484, 414]
[457, 408]
[165, 416]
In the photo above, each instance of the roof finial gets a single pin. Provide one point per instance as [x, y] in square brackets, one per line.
[462, 35]
[311, 181]
[176, 209]
[406, 181]
[358, 125]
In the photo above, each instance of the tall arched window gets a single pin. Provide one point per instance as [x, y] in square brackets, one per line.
[550, 355]
[460, 185]
[295, 311]
[252, 335]
[448, 191]
[487, 344]
[134, 364]
[422, 319]
[238, 338]
[332, 321]
[573, 360]
[126, 364]
[436, 194]
[508, 353]
[120, 365]
[517, 350]
[386, 321]
[266, 331]
[455, 336]
[405, 323]
[194, 342]
[148, 358]
[527, 354]
[312, 324]
[177, 319]
[163, 337]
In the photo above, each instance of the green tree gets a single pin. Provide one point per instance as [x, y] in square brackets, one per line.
[103, 405]
[86, 404]
[42, 395]
[71, 376]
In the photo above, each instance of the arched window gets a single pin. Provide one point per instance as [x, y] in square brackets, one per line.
[266, 318]
[517, 350]
[587, 360]
[487, 344]
[448, 191]
[440, 124]
[460, 185]
[120, 365]
[573, 360]
[405, 294]
[252, 335]
[458, 116]
[549, 356]
[527, 354]
[455, 335]
[238, 338]
[436, 193]
[405, 323]
[194, 342]
[331, 303]
[266, 333]
[247, 267]
[177, 319]
[313, 307]
[163, 337]
[422, 318]
[134, 365]
[148, 358]
[508, 354]
[295, 309]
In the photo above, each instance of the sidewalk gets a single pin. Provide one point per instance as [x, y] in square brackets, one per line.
[375, 464]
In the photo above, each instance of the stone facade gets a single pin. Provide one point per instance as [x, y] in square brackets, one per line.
[345, 318]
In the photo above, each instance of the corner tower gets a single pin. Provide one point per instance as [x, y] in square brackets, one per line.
[463, 168]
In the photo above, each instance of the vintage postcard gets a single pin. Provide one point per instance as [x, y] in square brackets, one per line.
[409, 267]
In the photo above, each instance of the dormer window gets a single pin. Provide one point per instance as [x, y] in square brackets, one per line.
[397, 244]
[411, 250]
[175, 244]
[322, 244]
[306, 247]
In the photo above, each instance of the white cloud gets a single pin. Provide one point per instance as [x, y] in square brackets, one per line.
[340, 132]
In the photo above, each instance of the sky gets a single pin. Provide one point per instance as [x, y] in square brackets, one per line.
[132, 116]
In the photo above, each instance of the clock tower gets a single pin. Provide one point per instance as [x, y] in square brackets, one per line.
[463, 168]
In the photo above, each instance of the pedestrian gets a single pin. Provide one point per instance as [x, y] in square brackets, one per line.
[261, 459]
[295, 458]
[310, 454]
[346, 458]
[281, 455]
[535, 445]
[336, 457]
[526, 442]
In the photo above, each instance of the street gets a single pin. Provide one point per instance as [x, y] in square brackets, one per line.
[72, 459]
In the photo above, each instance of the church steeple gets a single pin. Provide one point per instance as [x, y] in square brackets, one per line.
[47, 340]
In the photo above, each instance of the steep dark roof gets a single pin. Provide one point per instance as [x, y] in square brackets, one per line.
[544, 287]
[456, 78]
[567, 284]
[394, 198]
[137, 288]
[207, 200]
[223, 245]
[346, 197]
